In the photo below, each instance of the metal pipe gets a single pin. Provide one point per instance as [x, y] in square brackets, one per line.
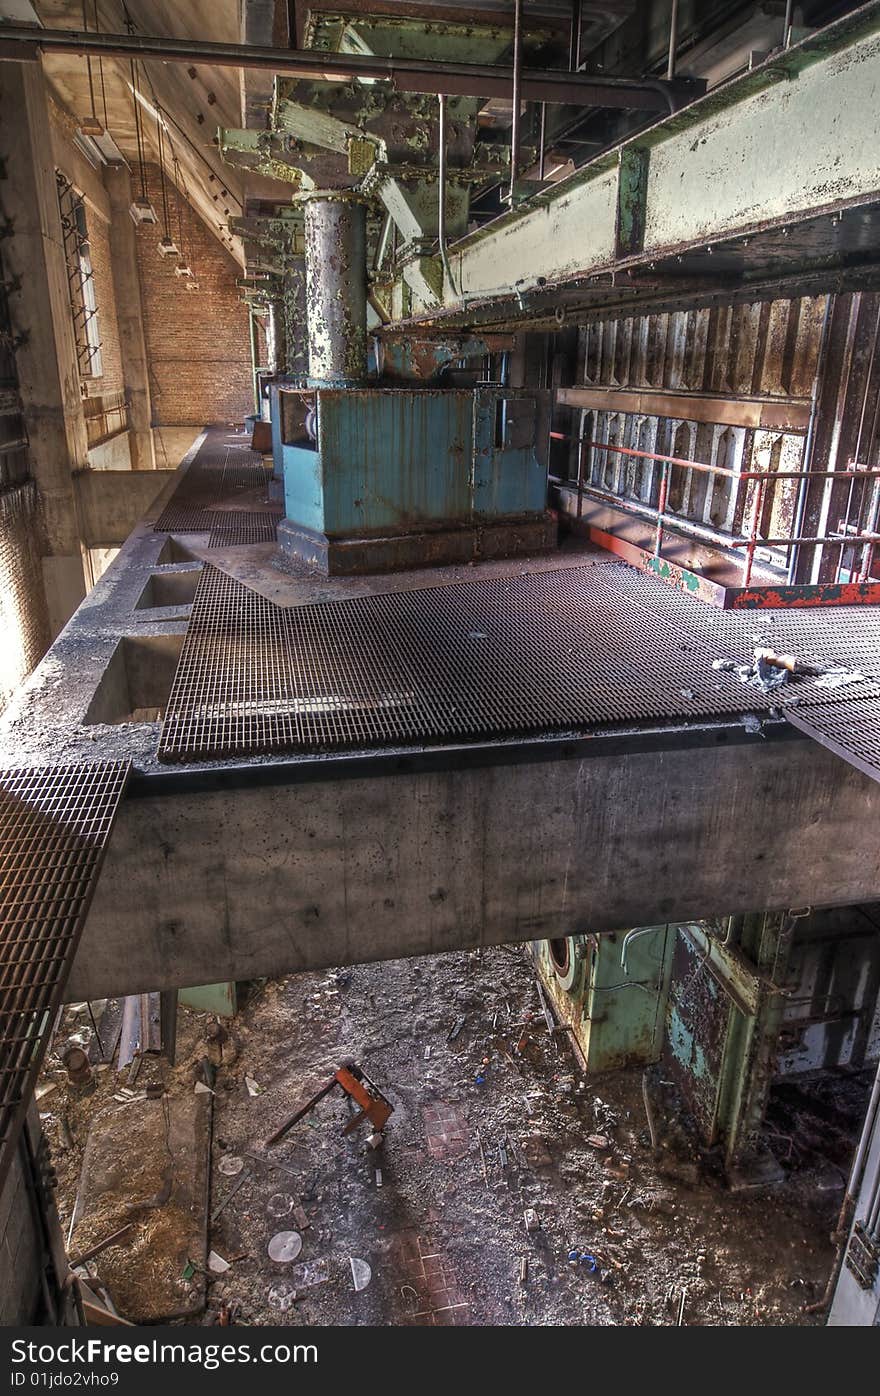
[542, 140]
[753, 532]
[786, 31]
[336, 288]
[673, 40]
[21, 44]
[574, 45]
[441, 193]
[661, 507]
[516, 97]
[810, 440]
[725, 469]
[384, 237]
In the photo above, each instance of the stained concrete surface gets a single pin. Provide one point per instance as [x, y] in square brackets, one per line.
[444, 1239]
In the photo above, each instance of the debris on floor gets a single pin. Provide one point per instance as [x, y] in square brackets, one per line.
[508, 1189]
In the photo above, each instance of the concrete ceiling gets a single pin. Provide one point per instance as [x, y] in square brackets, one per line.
[197, 100]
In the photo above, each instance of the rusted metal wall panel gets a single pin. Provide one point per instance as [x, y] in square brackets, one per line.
[764, 350]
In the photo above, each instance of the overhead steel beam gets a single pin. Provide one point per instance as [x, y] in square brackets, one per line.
[21, 44]
[733, 165]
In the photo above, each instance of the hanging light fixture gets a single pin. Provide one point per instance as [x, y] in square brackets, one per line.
[167, 246]
[141, 209]
[90, 125]
[182, 268]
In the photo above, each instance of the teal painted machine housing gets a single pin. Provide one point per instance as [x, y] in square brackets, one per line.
[510, 469]
[389, 460]
[303, 485]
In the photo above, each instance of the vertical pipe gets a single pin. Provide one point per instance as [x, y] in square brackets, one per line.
[517, 85]
[753, 533]
[786, 33]
[542, 140]
[673, 40]
[382, 245]
[441, 194]
[574, 43]
[809, 443]
[336, 288]
[661, 507]
[254, 379]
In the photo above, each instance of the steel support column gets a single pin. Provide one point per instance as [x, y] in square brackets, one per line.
[336, 288]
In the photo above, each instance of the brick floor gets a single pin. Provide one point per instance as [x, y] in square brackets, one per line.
[428, 1284]
[447, 1131]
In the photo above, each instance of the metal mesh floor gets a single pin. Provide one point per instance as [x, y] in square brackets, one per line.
[219, 472]
[845, 635]
[513, 655]
[848, 727]
[54, 828]
[237, 529]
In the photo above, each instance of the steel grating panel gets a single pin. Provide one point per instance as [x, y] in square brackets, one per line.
[839, 635]
[54, 827]
[236, 529]
[848, 727]
[182, 518]
[511, 655]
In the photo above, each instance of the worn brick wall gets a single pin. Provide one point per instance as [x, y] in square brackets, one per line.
[198, 344]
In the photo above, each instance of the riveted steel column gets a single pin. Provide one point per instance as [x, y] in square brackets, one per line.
[336, 288]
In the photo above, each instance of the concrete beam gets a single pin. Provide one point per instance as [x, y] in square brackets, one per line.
[797, 137]
[111, 502]
[266, 878]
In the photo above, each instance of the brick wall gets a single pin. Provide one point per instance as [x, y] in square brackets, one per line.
[198, 343]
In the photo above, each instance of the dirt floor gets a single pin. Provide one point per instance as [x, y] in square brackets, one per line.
[496, 1165]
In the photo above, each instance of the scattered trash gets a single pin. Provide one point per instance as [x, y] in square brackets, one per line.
[356, 1084]
[284, 1246]
[230, 1165]
[201, 1089]
[579, 1257]
[245, 1177]
[688, 694]
[312, 1272]
[530, 1216]
[599, 1141]
[216, 1264]
[456, 1029]
[282, 1296]
[523, 1269]
[361, 1273]
[836, 678]
[44, 1088]
[188, 1270]
[378, 1177]
[253, 1087]
[280, 1205]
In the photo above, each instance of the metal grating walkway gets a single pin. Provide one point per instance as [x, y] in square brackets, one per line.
[849, 727]
[218, 474]
[513, 655]
[54, 827]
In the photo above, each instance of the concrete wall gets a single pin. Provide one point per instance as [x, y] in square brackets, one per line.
[198, 344]
[235, 883]
[88, 182]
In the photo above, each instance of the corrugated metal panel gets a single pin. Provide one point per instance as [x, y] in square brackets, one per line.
[765, 349]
